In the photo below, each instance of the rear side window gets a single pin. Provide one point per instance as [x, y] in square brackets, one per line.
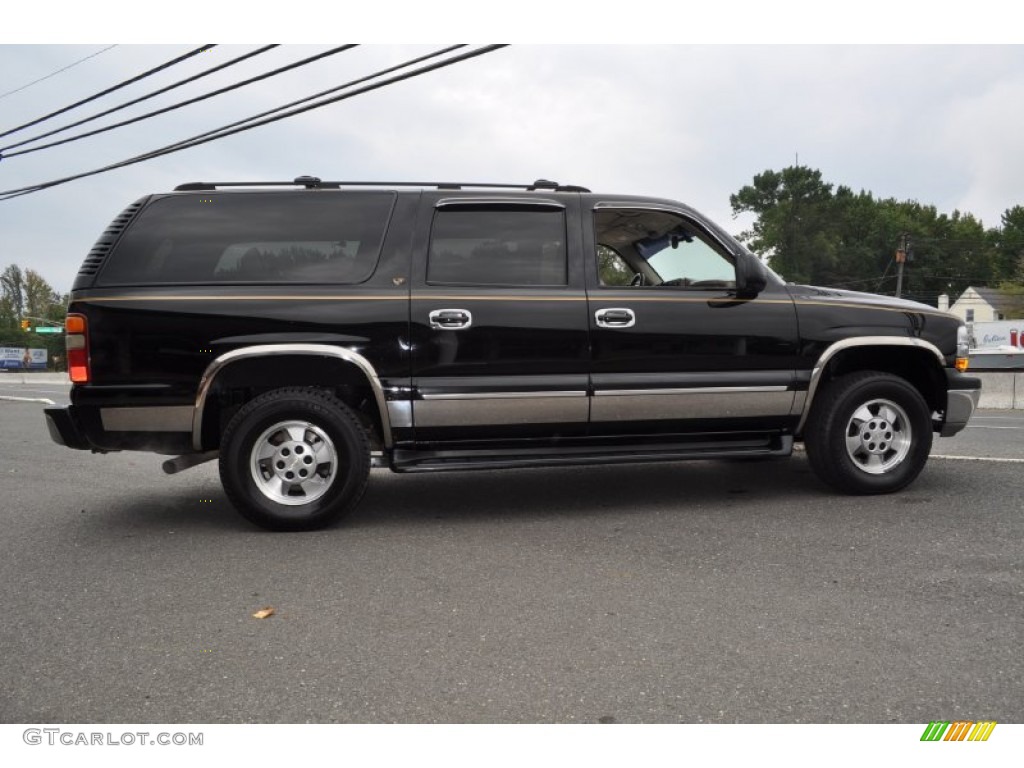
[494, 245]
[320, 237]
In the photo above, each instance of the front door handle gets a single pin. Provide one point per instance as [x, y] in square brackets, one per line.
[451, 319]
[615, 317]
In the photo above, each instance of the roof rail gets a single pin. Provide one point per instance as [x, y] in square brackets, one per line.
[312, 182]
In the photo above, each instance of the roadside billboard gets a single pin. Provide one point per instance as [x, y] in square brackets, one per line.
[20, 358]
[1004, 333]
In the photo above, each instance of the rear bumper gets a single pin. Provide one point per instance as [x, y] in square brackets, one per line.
[64, 429]
[88, 428]
[962, 396]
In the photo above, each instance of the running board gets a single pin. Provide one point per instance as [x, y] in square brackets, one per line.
[404, 460]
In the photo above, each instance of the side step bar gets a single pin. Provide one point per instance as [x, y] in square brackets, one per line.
[404, 460]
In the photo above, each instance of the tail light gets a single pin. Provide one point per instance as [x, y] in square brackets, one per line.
[76, 335]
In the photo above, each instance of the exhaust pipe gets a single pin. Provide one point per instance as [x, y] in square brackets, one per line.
[189, 460]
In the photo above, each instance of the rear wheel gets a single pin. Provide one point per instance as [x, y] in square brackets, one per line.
[869, 433]
[294, 459]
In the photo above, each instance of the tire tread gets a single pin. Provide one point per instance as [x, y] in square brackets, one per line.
[826, 451]
[331, 408]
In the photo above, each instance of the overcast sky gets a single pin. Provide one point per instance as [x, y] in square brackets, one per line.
[938, 124]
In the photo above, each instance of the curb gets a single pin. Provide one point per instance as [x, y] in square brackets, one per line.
[35, 378]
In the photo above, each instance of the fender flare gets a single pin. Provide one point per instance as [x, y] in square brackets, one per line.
[860, 341]
[273, 350]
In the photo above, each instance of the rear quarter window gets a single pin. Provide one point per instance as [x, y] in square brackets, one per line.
[318, 237]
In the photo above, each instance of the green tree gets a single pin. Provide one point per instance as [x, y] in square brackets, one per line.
[866, 231]
[792, 227]
[12, 291]
[1014, 309]
[1009, 245]
[950, 252]
[25, 293]
[813, 231]
[41, 300]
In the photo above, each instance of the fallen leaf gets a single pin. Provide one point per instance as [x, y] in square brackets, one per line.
[264, 613]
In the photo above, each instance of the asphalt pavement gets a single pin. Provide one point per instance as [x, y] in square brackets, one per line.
[690, 592]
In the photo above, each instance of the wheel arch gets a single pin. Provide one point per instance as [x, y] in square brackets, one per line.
[918, 361]
[331, 367]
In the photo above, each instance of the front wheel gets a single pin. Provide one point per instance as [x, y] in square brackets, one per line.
[869, 433]
[294, 459]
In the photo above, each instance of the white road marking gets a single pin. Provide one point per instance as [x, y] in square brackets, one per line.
[44, 400]
[976, 458]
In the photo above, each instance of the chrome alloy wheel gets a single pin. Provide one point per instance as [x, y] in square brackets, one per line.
[878, 436]
[294, 462]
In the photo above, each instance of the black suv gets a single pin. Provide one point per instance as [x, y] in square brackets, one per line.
[305, 331]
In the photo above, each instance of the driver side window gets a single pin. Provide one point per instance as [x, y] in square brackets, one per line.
[637, 247]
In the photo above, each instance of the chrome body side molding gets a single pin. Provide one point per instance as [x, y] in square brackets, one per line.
[688, 391]
[672, 403]
[501, 395]
[500, 408]
[271, 350]
[860, 341]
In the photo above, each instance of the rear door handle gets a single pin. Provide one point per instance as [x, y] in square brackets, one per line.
[615, 317]
[451, 319]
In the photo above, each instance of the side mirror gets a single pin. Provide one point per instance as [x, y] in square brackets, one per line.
[751, 276]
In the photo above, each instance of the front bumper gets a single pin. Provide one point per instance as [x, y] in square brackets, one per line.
[962, 395]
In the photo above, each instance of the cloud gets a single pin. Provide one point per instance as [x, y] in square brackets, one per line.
[931, 123]
[978, 135]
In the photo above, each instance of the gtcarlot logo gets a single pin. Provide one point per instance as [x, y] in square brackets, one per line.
[959, 730]
[58, 736]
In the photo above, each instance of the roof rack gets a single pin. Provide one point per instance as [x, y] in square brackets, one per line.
[312, 182]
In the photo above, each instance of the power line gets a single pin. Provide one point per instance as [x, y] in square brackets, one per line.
[882, 278]
[180, 104]
[859, 281]
[147, 96]
[52, 74]
[113, 88]
[408, 63]
[223, 132]
[204, 138]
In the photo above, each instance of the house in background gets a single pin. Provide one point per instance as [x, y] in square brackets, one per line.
[981, 305]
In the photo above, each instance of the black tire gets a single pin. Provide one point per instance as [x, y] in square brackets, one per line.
[315, 459]
[868, 432]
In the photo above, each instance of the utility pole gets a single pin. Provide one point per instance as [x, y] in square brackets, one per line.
[901, 257]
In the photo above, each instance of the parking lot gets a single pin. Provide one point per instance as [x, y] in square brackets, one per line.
[692, 592]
